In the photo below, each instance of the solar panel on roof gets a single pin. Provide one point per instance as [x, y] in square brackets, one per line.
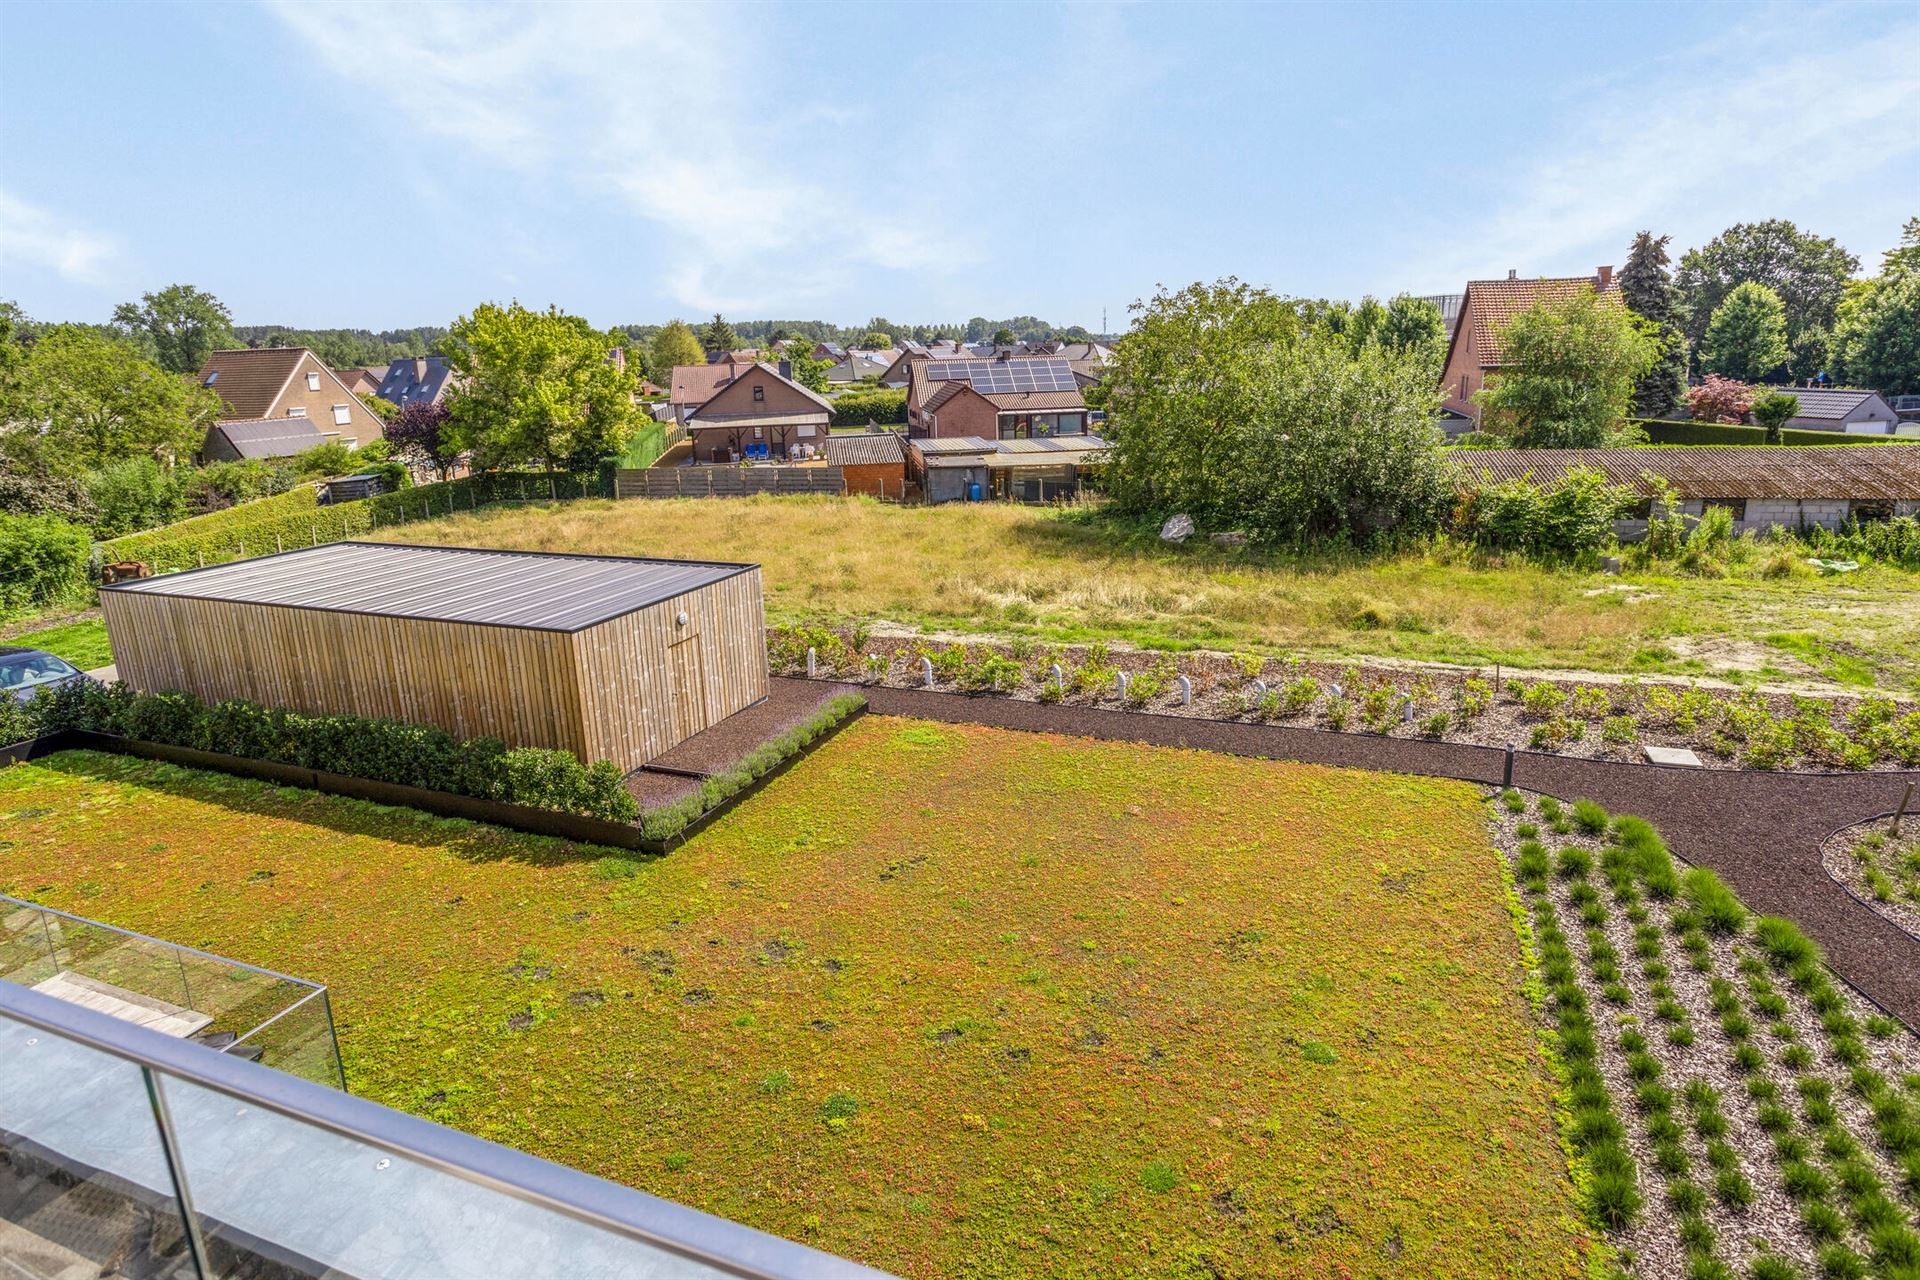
[1004, 377]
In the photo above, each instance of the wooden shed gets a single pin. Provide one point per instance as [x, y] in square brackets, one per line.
[606, 656]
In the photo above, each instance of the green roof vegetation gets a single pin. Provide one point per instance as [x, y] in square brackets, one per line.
[949, 1000]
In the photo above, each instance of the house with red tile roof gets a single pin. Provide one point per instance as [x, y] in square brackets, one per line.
[1473, 353]
[260, 384]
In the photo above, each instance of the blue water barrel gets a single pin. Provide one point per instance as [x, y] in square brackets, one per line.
[974, 493]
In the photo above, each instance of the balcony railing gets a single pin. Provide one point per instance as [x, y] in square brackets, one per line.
[236, 1008]
[133, 1146]
[128, 1152]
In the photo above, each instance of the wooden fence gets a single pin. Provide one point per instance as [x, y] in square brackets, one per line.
[726, 482]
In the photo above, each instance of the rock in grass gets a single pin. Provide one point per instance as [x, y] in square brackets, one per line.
[1177, 529]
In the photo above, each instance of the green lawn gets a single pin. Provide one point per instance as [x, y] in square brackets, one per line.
[84, 644]
[952, 1001]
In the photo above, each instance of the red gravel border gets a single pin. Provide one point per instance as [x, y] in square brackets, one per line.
[1761, 831]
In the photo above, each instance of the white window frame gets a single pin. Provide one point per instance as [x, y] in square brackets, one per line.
[297, 411]
[342, 416]
[313, 380]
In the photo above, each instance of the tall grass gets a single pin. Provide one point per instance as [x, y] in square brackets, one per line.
[1070, 575]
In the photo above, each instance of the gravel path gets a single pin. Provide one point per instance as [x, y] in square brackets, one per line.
[1761, 831]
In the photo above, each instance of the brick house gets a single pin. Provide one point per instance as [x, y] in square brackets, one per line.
[287, 382]
[692, 385]
[1473, 353]
[1795, 486]
[761, 413]
[873, 462]
[1002, 399]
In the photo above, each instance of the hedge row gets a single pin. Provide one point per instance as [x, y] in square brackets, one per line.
[669, 820]
[259, 529]
[393, 751]
[877, 404]
[1662, 432]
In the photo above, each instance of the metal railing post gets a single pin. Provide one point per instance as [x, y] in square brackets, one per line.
[177, 1170]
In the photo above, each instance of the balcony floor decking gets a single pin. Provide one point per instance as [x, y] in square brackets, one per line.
[128, 1006]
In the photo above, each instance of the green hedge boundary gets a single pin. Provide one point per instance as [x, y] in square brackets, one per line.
[253, 529]
[377, 750]
[1661, 431]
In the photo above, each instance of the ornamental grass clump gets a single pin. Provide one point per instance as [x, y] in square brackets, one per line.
[1714, 905]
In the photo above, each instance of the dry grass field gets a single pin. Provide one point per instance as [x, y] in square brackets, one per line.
[1003, 569]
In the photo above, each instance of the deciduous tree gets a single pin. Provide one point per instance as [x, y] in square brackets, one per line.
[180, 326]
[96, 399]
[1719, 399]
[1772, 412]
[419, 434]
[1222, 407]
[1568, 373]
[535, 387]
[1808, 272]
[674, 345]
[1747, 337]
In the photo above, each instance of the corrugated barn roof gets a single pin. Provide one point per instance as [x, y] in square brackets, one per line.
[537, 591]
[1875, 471]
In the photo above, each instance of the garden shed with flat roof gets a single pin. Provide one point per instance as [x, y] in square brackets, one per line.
[608, 657]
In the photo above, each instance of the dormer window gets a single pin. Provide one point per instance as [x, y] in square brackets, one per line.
[313, 382]
[759, 392]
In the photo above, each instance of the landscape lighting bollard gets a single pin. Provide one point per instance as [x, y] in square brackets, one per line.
[1333, 688]
[1259, 690]
[1406, 712]
[926, 671]
[1120, 683]
[813, 663]
[1059, 677]
[1186, 690]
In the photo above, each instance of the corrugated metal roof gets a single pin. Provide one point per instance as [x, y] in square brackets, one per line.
[868, 449]
[539, 591]
[270, 437]
[1874, 471]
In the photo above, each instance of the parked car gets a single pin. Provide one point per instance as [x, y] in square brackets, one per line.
[24, 672]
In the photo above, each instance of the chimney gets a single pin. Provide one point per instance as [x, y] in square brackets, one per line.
[786, 369]
[419, 368]
[1603, 279]
[1512, 274]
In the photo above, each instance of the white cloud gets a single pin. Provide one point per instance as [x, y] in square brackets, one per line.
[1718, 134]
[647, 104]
[34, 237]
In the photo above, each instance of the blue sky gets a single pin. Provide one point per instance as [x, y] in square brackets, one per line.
[324, 164]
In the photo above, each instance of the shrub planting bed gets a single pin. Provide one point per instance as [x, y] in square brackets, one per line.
[1600, 720]
[1880, 868]
[1734, 1109]
[953, 1001]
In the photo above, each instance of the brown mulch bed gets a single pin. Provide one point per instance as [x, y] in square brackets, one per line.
[720, 747]
[1761, 831]
[1880, 868]
[655, 789]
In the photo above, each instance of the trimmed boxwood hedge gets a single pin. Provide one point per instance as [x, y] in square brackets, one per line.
[1660, 431]
[379, 750]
